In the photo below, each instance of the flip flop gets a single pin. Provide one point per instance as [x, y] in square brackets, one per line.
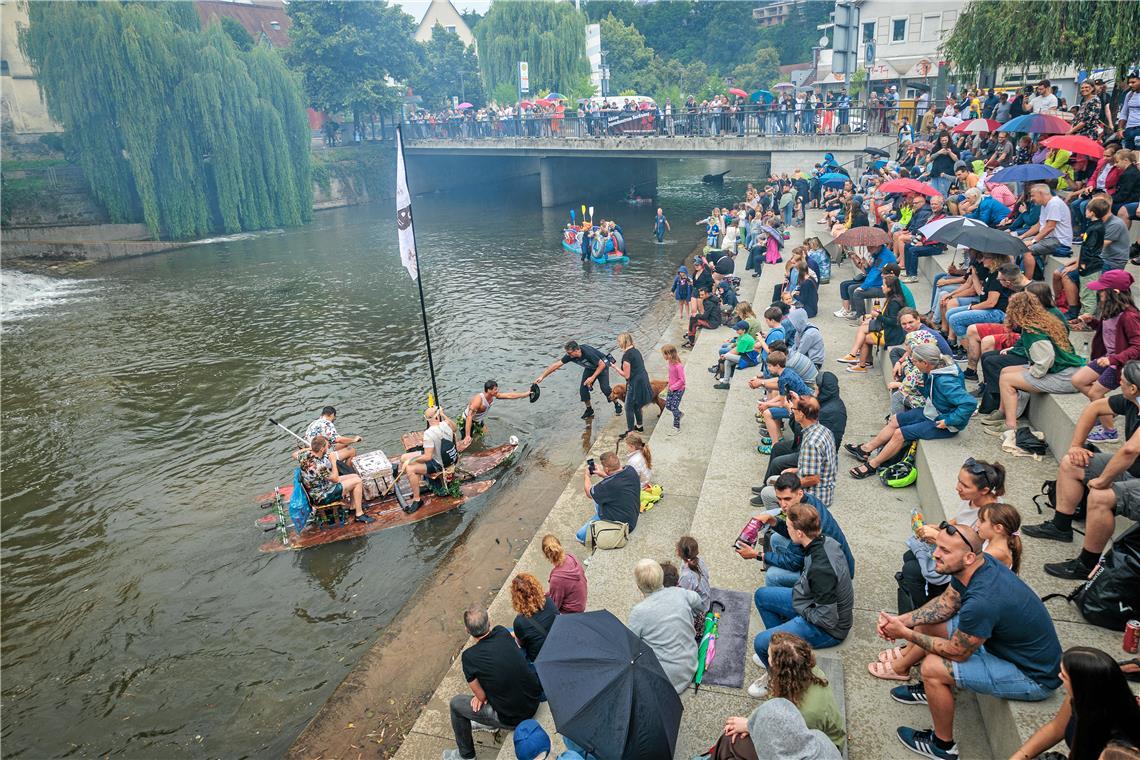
[890, 655]
[884, 671]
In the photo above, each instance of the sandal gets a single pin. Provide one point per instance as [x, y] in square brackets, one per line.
[884, 671]
[892, 654]
[857, 451]
[862, 471]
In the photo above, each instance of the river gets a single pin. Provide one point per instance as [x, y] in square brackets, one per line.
[139, 618]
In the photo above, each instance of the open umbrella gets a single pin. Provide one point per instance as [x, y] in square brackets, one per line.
[783, 86]
[877, 152]
[525, 103]
[737, 91]
[555, 96]
[1037, 123]
[834, 179]
[606, 689]
[462, 106]
[978, 125]
[980, 238]
[950, 121]
[930, 228]
[907, 185]
[764, 95]
[1085, 146]
[1025, 173]
[868, 236]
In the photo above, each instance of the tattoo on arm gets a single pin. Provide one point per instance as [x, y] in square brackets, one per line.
[937, 610]
[960, 646]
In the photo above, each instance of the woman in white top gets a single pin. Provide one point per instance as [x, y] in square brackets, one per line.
[640, 458]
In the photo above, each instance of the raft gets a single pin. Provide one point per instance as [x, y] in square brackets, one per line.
[610, 256]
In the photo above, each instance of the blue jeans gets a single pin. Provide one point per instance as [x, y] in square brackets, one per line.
[581, 534]
[791, 207]
[962, 317]
[985, 673]
[1077, 209]
[962, 301]
[778, 577]
[935, 288]
[576, 748]
[912, 253]
[775, 608]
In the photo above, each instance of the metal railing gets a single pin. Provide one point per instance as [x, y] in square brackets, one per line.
[752, 121]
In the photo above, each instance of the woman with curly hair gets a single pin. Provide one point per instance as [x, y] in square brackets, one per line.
[1052, 363]
[794, 676]
[536, 613]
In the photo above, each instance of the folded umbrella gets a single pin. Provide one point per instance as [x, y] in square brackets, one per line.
[877, 152]
[978, 125]
[606, 690]
[706, 652]
[908, 185]
[1085, 146]
[863, 236]
[1037, 123]
[980, 238]
[834, 179]
[930, 228]
[1025, 173]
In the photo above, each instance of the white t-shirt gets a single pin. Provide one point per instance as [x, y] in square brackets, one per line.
[440, 438]
[967, 515]
[1041, 103]
[1056, 210]
[637, 461]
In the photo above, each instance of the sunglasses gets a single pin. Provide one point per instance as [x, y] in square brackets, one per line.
[953, 531]
[974, 467]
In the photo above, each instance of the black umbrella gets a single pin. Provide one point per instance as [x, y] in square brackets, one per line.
[984, 239]
[606, 689]
[877, 152]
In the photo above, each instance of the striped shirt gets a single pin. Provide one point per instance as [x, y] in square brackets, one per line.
[817, 457]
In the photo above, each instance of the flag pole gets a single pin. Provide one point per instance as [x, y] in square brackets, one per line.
[419, 278]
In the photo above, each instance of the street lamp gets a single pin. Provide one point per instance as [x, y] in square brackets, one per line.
[605, 72]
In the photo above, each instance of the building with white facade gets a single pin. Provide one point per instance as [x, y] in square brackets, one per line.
[594, 54]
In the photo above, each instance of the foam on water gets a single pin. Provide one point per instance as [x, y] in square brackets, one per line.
[24, 295]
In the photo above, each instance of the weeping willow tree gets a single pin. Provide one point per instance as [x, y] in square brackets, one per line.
[173, 125]
[1085, 33]
[549, 35]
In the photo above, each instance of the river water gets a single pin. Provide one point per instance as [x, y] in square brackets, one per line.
[139, 618]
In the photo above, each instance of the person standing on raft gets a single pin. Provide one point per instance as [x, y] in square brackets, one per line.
[594, 368]
[471, 423]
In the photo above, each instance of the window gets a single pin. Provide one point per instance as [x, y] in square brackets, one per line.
[4, 67]
[898, 30]
[932, 27]
[450, 29]
[868, 31]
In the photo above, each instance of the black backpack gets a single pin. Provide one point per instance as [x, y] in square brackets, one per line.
[1111, 597]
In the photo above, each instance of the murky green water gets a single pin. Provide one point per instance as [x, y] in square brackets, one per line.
[139, 618]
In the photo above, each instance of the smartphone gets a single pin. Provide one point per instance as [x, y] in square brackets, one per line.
[590, 466]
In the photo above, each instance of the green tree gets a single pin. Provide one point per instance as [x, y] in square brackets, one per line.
[448, 68]
[1044, 33]
[237, 33]
[549, 35]
[346, 52]
[173, 125]
[795, 38]
[761, 72]
[626, 54]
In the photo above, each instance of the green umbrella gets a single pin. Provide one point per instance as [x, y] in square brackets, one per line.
[707, 650]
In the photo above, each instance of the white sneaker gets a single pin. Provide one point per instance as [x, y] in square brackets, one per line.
[909, 278]
[759, 687]
[452, 754]
[843, 314]
[756, 659]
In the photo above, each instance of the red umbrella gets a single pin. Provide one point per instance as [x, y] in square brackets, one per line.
[737, 91]
[1075, 144]
[906, 185]
[865, 236]
[978, 125]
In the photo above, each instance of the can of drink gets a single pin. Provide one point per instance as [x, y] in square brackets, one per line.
[1132, 636]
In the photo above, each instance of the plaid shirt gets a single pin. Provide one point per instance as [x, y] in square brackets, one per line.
[817, 457]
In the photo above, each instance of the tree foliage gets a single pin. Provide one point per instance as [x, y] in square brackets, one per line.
[346, 51]
[237, 33]
[761, 72]
[549, 35]
[627, 56]
[1086, 33]
[447, 68]
[173, 125]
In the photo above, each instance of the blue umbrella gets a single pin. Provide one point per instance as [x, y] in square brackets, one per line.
[1025, 173]
[833, 179]
[764, 94]
[555, 96]
[606, 689]
[879, 164]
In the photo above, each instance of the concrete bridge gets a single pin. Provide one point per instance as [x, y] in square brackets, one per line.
[566, 166]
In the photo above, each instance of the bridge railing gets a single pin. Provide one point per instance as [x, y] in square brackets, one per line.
[873, 118]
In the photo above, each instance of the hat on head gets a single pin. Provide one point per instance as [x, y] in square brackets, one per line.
[741, 325]
[683, 269]
[1118, 280]
[961, 165]
[531, 740]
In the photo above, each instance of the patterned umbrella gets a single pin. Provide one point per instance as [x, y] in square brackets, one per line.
[865, 236]
[978, 125]
[1037, 123]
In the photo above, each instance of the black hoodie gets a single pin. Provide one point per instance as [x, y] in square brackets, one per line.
[832, 411]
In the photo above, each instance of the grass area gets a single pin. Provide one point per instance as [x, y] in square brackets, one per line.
[27, 164]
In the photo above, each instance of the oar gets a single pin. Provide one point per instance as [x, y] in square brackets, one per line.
[287, 430]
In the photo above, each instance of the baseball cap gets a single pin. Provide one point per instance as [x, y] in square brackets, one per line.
[961, 165]
[531, 740]
[741, 325]
[1117, 279]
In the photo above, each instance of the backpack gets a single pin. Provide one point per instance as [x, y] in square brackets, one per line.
[1111, 597]
[1048, 495]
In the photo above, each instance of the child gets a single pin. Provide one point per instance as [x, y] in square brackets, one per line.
[641, 459]
[676, 384]
[694, 575]
[682, 291]
[999, 525]
[799, 213]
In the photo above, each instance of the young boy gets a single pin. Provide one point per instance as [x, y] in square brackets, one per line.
[742, 354]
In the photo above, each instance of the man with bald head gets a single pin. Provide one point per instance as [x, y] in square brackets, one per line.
[986, 604]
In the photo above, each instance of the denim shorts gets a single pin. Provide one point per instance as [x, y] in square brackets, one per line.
[985, 673]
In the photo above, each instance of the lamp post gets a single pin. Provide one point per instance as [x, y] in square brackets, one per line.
[605, 83]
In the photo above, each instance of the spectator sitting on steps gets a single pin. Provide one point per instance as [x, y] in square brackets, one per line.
[664, 621]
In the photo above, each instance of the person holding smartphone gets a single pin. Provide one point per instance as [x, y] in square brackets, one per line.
[616, 497]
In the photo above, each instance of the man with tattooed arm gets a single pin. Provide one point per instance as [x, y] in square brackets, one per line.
[988, 632]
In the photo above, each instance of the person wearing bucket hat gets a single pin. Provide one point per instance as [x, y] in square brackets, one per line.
[471, 421]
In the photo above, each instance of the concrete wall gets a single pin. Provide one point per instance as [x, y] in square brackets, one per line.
[20, 101]
[433, 173]
[570, 180]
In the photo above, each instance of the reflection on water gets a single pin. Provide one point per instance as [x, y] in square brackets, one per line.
[139, 617]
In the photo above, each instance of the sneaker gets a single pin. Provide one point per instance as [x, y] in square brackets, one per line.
[970, 373]
[364, 519]
[760, 663]
[848, 359]
[617, 408]
[764, 448]
[588, 413]
[759, 688]
[414, 507]
[996, 417]
[922, 743]
[757, 490]
[959, 354]
[998, 431]
[857, 369]
[1049, 531]
[452, 754]
[844, 313]
[757, 501]
[713, 369]
[909, 278]
[1071, 570]
[910, 694]
[1103, 435]
[767, 440]
[721, 387]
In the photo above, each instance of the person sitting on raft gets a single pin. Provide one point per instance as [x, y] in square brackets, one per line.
[471, 423]
[438, 454]
[324, 485]
[341, 445]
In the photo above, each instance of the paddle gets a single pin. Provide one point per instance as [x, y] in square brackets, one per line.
[287, 430]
